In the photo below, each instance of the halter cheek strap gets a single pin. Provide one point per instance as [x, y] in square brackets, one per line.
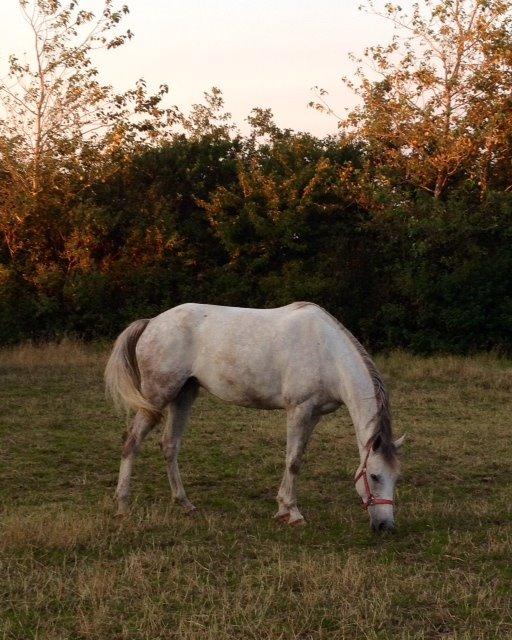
[371, 500]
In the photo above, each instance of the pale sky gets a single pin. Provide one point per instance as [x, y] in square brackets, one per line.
[265, 53]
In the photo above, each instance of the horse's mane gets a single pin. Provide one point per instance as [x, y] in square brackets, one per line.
[383, 430]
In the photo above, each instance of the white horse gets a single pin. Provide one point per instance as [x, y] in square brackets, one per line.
[298, 358]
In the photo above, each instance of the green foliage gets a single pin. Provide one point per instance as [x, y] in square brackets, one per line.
[454, 273]
[226, 220]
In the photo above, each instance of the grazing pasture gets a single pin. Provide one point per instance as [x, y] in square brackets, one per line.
[70, 569]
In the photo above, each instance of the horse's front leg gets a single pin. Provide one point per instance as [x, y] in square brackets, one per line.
[300, 424]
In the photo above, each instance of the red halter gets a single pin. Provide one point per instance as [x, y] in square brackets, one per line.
[371, 500]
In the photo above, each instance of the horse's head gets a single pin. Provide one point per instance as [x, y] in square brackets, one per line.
[375, 481]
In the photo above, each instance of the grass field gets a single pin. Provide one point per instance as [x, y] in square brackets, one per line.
[69, 569]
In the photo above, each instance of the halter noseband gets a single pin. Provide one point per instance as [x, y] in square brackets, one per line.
[371, 500]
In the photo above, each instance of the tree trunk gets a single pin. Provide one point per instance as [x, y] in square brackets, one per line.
[440, 184]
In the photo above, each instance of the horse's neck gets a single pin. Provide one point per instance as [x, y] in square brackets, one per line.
[358, 395]
[363, 411]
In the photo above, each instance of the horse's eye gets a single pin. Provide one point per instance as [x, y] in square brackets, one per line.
[375, 477]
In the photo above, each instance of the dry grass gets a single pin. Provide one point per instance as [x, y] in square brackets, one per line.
[487, 371]
[67, 352]
[70, 570]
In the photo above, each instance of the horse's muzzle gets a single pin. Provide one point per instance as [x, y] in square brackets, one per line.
[383, 526]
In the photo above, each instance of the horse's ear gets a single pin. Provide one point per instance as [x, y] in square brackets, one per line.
[377, 442]
[399, 442]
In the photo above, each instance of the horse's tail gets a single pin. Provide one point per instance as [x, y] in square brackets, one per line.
[122, 375]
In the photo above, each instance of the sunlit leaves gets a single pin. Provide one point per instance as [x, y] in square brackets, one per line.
[59, 121]
[433, 99]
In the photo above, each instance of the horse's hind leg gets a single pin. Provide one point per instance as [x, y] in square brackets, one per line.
[142, 424]
[179, 411]
[300, 425]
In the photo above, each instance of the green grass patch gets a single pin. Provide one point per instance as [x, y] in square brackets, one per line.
[70, 570]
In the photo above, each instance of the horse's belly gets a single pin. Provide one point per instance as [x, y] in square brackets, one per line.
[235, 390]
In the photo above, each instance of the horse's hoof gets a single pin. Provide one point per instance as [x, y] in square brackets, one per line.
[191, 512]
[282, 517]
[299, 522]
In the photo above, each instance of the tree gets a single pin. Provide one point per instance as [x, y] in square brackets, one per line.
[437, 101]
[58, 119]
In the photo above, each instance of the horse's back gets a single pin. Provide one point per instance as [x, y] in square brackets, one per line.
[238, 321]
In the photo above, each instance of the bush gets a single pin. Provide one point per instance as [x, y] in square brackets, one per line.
[227, 221]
